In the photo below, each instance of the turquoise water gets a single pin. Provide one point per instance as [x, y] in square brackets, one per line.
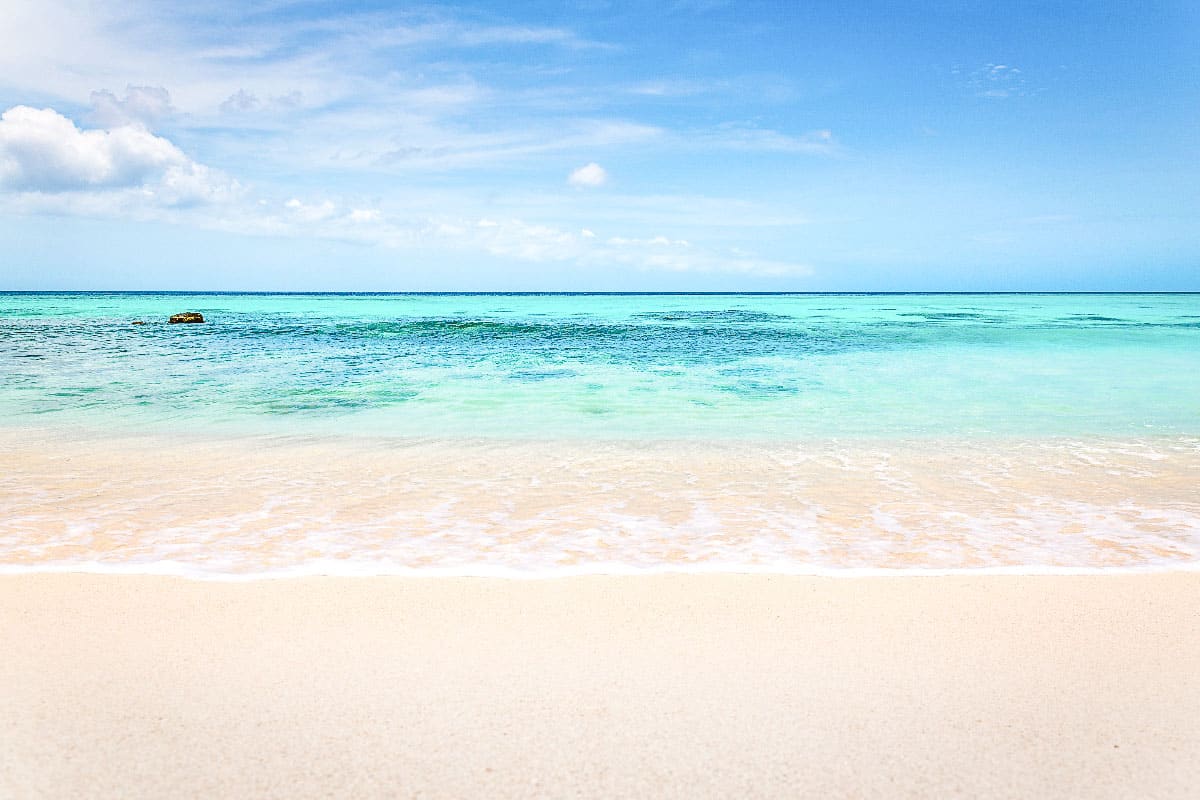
[538, 435]
[609, 366]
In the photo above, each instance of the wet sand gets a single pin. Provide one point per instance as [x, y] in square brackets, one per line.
[671, 686]
[203, 505]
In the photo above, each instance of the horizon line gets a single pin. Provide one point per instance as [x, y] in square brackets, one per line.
[601, 292]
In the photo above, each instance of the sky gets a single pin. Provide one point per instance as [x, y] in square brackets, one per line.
[690, 145]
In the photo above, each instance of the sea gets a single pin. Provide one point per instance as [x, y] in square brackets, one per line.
[539, 435]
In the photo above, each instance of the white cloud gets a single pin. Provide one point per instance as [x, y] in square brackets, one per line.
[365, 215]
[193, 184]
[670, 88]
[144, 104]
[429, 145]
[739, 136]
[373, 95]
[240, 101]
[312, 212]
[69, 48]
[393, 90]
[589, 175]
[506, 238]
[431, 28]
[243, 102]
[515, 238]
[473, 36]
[654, 241]
[43, 151]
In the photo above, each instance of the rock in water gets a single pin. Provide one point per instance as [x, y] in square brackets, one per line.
[187, 316]
[138, 322]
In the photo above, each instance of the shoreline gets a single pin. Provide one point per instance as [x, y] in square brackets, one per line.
[218, 506]
[669, 685]
[324, 571]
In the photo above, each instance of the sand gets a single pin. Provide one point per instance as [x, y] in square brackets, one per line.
[672, 686]
[225, 505]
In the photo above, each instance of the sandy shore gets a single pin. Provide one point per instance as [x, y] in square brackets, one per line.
[140, 687]
[263, 503]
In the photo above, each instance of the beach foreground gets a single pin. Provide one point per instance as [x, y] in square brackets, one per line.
[684, 686]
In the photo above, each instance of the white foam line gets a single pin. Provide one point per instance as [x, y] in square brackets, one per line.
[341, 570]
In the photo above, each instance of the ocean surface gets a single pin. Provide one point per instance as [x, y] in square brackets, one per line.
[538, 434]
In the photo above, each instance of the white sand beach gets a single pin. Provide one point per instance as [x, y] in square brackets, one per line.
[673, 686]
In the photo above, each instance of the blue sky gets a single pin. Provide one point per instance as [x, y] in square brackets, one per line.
[599, 145]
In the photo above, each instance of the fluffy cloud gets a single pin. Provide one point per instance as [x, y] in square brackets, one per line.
[588, 175]
[43, 152]
[193, 184]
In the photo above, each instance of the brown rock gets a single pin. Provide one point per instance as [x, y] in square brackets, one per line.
[138, 322]
[187, 316]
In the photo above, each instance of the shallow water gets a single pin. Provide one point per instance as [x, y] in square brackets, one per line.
[544, 435]
[636, 366]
